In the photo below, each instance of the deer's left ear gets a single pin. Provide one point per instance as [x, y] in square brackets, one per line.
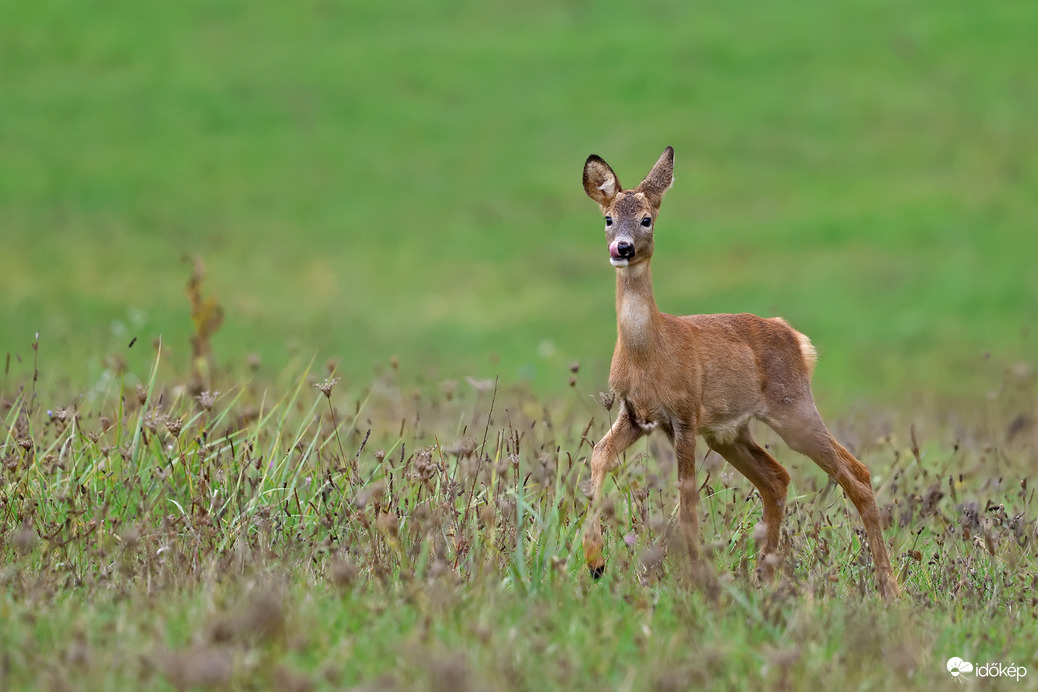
[660, 178]
[600, 183]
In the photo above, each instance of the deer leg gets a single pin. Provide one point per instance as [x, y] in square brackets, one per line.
[804, 431]
[771, 481]
[621, 436]
[688, 493]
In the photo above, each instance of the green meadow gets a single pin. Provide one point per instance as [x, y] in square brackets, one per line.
[404, 179]
[384, 200]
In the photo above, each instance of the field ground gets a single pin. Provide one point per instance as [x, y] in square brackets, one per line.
[379, 539]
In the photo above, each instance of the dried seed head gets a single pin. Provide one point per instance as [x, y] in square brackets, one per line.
[116, 363]
[61, 415]
[327, 385]
[174, 425]
[131, 537]
[142, 395]
[506, 506]
[151, 421]
[463, 447]
[607, 399]
[253, 361]
[424, 465]
[388, 523]
[574, 367]
[651, 557]
[207, 399]
[342, 572]
[372, 492]
[437, 569]
[24, 540]
[488, 515]
[480, 385]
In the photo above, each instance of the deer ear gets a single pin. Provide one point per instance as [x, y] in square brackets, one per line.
[660, 178]
[600, 183]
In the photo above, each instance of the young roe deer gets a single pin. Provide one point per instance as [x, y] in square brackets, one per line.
[708, 375]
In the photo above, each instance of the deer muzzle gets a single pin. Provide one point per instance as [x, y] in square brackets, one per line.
[620, 252]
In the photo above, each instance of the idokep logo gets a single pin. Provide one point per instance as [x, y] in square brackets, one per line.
[958, 667]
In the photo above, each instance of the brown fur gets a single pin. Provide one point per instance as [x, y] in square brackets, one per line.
[709, 375]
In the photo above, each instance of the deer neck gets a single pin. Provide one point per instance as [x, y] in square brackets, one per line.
[636, 314]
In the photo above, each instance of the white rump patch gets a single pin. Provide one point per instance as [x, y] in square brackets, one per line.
[807, 350]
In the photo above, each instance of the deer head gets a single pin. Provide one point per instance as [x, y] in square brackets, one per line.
[630, 215]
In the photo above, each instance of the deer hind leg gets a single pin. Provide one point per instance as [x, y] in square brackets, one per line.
[621, 436]
[771, 481]
[803, 430]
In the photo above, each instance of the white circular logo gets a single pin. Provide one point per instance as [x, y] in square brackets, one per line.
[956, 666]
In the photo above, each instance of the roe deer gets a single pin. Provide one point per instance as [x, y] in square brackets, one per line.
[708, 374]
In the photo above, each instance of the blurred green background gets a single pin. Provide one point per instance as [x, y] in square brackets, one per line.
[368, 179]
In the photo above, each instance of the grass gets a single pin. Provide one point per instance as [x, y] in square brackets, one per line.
[305, 534]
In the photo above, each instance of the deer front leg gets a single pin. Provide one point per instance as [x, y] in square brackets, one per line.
[621, 436]
[688, 493]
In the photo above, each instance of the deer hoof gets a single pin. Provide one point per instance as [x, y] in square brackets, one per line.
[596, 571]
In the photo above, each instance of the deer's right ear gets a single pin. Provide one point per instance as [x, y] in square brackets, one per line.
[600, 183]
[660, 178]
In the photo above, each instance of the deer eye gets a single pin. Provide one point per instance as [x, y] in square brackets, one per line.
[609, 221]
[647, 221]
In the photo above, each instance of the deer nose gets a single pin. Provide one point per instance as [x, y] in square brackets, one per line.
[621, 249]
